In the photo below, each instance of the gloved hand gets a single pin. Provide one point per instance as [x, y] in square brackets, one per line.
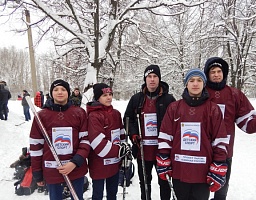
[163, 168]
[216, 177]
[136, 140]
[125, 149]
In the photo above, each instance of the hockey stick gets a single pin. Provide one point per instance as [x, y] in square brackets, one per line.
[20, 124]
[125, 158]
[142, 160]
[171, 186]
[48, 141]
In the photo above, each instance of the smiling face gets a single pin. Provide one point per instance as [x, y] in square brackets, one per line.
[195, 86]
[106, 99]
[152, 82]
[60, 95]
[215, 75]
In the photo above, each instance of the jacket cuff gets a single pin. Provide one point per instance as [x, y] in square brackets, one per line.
[77, 160]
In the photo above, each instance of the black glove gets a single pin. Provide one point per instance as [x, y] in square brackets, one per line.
[136, 139]
[125, 149]
[135, 150]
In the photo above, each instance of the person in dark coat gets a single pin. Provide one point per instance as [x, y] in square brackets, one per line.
[48, 100]
[150, 104]
[235, 107]
[76, 97]
[5, 95]
[25, 105]
[42, 99]
[193, 142]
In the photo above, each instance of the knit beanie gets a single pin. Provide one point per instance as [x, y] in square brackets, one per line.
[62, 83]
[100, 89]
[194, 72]
[216, 62]
[152, 69]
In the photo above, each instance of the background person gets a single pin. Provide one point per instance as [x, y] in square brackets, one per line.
[37, 100]
[42, 99]
[76, 97]
[25, 105]
[48, 100]
[5, 95]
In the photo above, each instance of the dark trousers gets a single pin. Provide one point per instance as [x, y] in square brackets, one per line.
[190, 191]
[111, 187]
[3, 110]
[26, 113]
[165, 191]
[222, 193]
[55, 190]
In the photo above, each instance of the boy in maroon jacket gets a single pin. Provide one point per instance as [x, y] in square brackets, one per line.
[192, 142]
[66, 126]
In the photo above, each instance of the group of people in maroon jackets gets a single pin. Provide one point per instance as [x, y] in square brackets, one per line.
[68, 126]
[190, 140]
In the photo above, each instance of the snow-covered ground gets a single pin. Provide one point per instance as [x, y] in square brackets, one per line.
[13, 138]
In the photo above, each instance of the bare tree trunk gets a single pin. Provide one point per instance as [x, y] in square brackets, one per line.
[31, 54]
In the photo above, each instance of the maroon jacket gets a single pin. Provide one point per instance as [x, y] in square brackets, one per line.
[149, 146]
[238, 110]
[210, 139]
[104, 123]
[42, 160]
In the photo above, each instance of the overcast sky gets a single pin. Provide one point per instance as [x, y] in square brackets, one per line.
[20, 40]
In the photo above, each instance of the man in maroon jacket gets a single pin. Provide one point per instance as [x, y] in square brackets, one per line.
[150, 104]
[234, 105]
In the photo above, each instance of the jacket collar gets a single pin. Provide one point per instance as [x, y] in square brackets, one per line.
[195, 101]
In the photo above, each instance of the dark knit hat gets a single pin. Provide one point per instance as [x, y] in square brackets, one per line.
[99, 89]
[194, 72]
[152, 69]
[62, 83]
[216, 62]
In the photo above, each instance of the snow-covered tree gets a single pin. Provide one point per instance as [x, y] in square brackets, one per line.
[230, 33]
[89, 27]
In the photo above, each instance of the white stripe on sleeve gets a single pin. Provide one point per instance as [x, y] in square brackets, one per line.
[106, 149]
[163, 145]
[85, 142]
[36, 153]
[165, 136]
[36, 141]
[82, 134]
[97, 140]
[240, 119]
